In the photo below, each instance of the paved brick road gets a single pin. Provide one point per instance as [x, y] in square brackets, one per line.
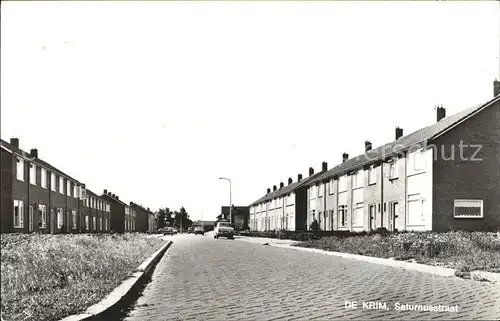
[205, 279]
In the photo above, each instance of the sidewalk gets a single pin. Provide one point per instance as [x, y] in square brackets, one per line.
[263, 240]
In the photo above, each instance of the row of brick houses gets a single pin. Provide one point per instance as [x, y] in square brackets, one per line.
[37, 197]
[441, 177]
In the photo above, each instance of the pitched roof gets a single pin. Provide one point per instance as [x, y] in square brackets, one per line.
[140, 206]
[27, 156]
[114, 199]
[287, 189]
[404, 143]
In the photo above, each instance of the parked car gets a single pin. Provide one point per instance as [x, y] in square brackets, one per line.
[199, 230]
[244, 232]
[224, 229]
[169, 231]
[191, 229]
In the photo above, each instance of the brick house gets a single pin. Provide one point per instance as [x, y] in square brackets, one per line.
[143, 218]
[36, 196]
[121, 214]
[96, 214]
[240, 216]
[283, 208]
[441, 177]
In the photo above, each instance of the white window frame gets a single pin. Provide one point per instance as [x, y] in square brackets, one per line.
[313, 192]
[43, 177]
[94, 223]
[331, 186]
[20, 169]
[74, 219]
[469, 201]
[76, 191]
[32, 174]
[393, 170]
[68, 187]
[320, 190]
[357, 179]
[87, 222]
[355, 208]
[343, 183]
[60, 217]
[42, 215]
[20, 212]
[53, 182]
[106, 224]
[100, 223]
[61, 184]
[372, 175]
[419, 156]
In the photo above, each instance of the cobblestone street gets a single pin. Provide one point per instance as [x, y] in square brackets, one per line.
[201, 278]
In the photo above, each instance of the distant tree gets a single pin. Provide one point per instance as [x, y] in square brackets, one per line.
[181, 216]
[163, 217]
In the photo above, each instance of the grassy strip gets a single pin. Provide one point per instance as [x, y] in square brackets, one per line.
[464, 251]
[48, 277]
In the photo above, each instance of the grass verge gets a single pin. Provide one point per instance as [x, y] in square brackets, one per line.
[48, 277]
[464, 251]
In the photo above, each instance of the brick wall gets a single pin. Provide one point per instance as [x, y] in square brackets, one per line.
[465, 178]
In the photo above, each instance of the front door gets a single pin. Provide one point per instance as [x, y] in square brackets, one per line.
[393, 216]
[372, 217]
[30, 218]
[52, 221]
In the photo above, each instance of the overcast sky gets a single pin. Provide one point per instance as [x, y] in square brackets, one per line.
[155, 101]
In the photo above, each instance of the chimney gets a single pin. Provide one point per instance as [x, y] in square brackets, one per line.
[274, 188]
[345, 157]
[496, 88]
[324, 166]
[281, 185]
[311, 171]
[34, 152]
[113, 195]
[299, 177]
[268, 191]
[399, 133]
[105, 192]
[289, 180]
[14, 142]
[440, 113]
[117, 197]
[109, 194]
[368, 146]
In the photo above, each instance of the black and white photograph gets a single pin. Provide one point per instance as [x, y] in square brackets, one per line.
[250, 160]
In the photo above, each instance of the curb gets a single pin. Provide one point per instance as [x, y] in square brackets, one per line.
[436, 270]
[120, 293]
[483, 275]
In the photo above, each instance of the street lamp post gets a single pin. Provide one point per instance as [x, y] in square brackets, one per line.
[230, 200]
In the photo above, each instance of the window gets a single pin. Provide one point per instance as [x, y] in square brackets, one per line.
[320, 190]
[94, 224]
[108, 208]
[61, 185]
[74, 219]
[357, 214]
[313, 192]
[358, 179]
[100, 223]
[126, 210]
[32, 174]
[42, 214]
[415, 209]
[60, 217]
[372, 175]
[18, 214]
[418, 161]
[106, 224]
[468, 208]
[342, 216]
[53, 181]
[342, 183]
[86, 222]
[76, 191]
[92, 202]
[393, 170]
[43, 174]
[68, 188]
[20, 169]
[331, 186]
